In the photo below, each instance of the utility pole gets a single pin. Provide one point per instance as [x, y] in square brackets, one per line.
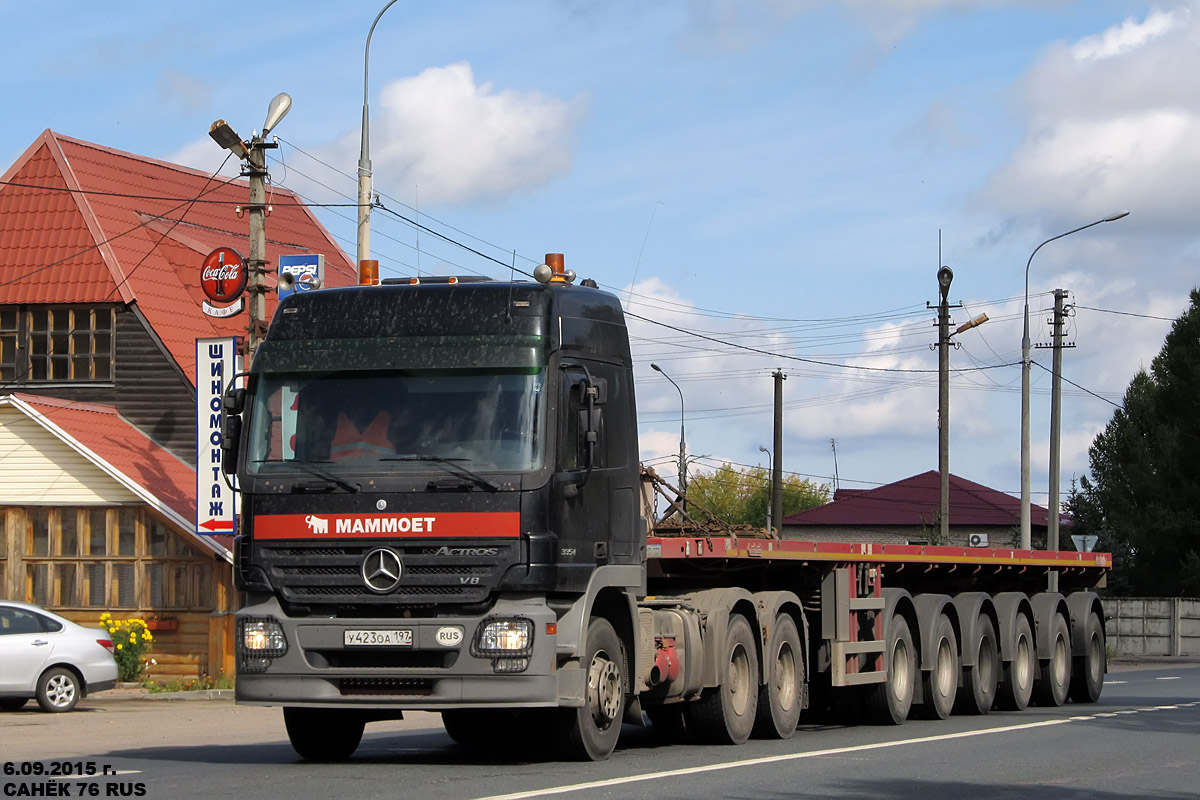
[945, 276]
[777, 466]
[253, 152]
[1060, 317]
[256, 262]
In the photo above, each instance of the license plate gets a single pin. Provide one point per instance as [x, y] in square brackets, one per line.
[382, 638]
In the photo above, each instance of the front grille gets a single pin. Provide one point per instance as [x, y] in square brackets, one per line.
[331, 576]
[382, 659]
[386, 686]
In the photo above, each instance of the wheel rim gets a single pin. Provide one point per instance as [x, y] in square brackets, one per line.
[945, 672]
[739, 680]
[901, 677]
[604, 690]
[1095, 659]
[1062, 662]
[1023, 663]
[60, 691]
[785, 676]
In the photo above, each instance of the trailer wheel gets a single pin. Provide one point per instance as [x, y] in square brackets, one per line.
[592, 730]
[1090, 667]
[1054, 674]
[323, 734]
[779, 700]
[889, 703]
[980, 681]
[941, 682]
[725, 714]
[1016, 683]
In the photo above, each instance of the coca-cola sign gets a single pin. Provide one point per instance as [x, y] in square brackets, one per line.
[223, 276]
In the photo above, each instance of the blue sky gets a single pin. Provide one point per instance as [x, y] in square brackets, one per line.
[773, 174]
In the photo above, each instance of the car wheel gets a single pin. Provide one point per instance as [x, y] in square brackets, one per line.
[58, 690]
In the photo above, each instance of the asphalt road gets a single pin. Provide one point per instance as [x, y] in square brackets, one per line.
[1140, 740]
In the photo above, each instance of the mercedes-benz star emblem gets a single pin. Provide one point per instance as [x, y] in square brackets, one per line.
[381, 570]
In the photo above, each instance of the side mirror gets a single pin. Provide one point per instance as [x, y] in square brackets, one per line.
[234, 401]
[231, 434]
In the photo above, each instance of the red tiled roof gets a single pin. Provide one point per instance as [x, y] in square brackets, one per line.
[915, 501]
[103, 436]
[126, 232]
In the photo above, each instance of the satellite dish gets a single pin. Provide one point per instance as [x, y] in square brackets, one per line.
[281, 104]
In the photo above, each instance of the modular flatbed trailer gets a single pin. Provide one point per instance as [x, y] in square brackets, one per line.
[443, 509]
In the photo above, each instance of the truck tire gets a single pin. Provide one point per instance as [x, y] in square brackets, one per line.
[323, 734]
[725, 714]
[58, 690]
[1054, 673]
[979, 681]
[779, 700]
[940, 684]
[890, 703]
[1017, 675]
[1088, 680]
[591, 731]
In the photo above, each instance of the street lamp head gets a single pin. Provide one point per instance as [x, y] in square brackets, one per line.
[281, 104]
[1116, 216]
[227, 138]
[656, 367]
[763, 449]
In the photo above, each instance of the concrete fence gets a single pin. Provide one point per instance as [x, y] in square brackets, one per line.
[1153, 626]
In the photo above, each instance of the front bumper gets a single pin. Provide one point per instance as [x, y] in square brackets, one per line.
[434, 673]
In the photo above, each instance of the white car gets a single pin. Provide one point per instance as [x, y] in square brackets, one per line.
[52, 659]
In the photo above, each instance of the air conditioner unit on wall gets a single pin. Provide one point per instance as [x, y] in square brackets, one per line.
[977, 540]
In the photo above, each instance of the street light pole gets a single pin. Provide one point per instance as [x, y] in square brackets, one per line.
[682, 440]
[1025, 366]
[364, 157]
[771, 502]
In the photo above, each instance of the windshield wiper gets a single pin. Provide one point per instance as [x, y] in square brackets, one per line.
[451, 466]
[329, 480]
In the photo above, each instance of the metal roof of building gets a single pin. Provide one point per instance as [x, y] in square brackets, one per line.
[123, 451]
[915, 501]
[82, 223]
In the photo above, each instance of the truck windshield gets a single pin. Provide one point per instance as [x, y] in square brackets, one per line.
[398, 421]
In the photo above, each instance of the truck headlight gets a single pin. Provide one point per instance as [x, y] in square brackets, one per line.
[503, 637]
[259, 642]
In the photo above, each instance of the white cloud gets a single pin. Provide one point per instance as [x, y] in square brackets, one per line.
[459, 141]
[1123, 38]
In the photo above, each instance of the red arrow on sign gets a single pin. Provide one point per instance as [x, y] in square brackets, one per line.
[218, 525]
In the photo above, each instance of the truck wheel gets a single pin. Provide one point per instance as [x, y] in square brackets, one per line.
[1054, 674]
[725, 714]
[58, 690]
[889, 703]
[592, 730]
[323, 734]
[941, 682]
[1016, 682]
[980, 681]
[779, 700]
[1088, 680]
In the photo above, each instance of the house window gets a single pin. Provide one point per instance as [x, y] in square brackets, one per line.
[46, 344]
[104, 559]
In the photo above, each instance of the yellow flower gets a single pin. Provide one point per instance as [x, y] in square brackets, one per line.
[112, 630]
[147, 636]
[133, 638]
[120, 647]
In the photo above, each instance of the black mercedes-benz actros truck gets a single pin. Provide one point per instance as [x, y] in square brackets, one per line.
[440, 487]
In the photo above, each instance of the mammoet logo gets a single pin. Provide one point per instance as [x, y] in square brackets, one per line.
[316, 524]
[466, 551]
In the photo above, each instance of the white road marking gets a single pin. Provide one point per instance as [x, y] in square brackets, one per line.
[1168, 678]
[1113, 683]
[754, 762]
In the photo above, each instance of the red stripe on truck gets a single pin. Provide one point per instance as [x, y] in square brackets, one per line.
[435, 525]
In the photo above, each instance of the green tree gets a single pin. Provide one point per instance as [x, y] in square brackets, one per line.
[1143, 499]
[742, 496]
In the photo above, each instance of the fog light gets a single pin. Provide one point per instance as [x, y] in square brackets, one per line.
[260, 641]
[509, 665]
[504, 637]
